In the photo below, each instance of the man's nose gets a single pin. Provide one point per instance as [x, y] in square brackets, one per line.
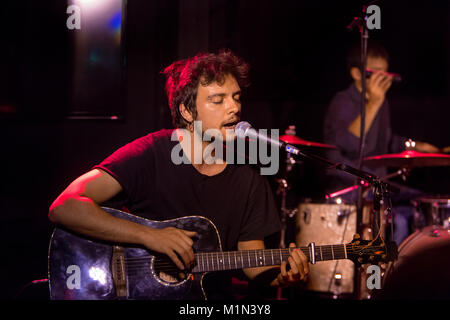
[233, 106]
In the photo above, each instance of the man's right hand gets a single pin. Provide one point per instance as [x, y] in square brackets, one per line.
[173, 242]
[377, 86]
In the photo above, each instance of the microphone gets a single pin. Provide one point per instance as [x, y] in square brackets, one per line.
[244, 129]
[395, 76]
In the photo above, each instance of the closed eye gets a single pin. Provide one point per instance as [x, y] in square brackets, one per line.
[217, 100]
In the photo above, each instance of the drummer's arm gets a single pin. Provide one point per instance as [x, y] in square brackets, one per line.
[426, 147]
[372, 108]
[399, 144]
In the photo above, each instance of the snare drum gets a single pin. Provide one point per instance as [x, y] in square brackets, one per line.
[422, 270]
[432, 211]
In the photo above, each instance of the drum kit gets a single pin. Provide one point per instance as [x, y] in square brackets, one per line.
[335, 222]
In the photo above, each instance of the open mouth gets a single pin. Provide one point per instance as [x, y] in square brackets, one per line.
[231, 125]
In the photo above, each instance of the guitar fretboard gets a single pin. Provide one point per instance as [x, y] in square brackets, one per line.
[229, 260]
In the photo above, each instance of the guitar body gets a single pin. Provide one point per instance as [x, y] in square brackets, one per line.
[81, 269]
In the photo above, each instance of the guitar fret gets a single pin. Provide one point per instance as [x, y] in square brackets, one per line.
[211, 261]
[203, 262]
[222, 261]
[321, 256]
[332, 251]
[217, 258]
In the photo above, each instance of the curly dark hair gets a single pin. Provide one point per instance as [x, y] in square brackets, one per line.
[184, 77]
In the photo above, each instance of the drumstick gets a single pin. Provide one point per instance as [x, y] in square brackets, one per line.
[445, 150]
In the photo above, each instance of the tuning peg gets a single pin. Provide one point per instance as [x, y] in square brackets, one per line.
[356, 236]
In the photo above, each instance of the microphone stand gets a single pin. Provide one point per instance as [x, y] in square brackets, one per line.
[361, 23]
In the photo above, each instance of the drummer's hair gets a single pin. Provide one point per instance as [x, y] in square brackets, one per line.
[184, 77]
[374, 50]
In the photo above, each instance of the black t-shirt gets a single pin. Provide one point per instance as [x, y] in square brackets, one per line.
[238, 200]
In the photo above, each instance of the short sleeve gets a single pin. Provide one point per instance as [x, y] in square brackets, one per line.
[261, 217]
[131, 166]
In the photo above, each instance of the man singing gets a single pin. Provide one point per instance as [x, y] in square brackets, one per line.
[142, 175]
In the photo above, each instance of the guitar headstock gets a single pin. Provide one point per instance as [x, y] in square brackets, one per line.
[369, 251]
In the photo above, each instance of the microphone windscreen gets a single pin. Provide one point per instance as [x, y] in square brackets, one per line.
[241, 129]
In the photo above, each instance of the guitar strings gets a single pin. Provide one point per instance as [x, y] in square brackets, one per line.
[243, 256]
[225, 256]
[158, 263]
[252, 253]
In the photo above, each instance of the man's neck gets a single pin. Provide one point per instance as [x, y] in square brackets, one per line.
[194, 149]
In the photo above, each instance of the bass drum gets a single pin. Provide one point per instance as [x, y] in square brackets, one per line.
[422, 270]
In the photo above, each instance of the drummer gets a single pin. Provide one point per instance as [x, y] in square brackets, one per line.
[343, 120]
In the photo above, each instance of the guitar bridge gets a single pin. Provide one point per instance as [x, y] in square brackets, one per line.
[119, 272]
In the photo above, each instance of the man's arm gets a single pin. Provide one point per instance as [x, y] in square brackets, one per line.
[281, 277]
[77, 208]
[377, 87]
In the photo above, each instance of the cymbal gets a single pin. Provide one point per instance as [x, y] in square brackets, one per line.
[408, 158]
[298, 141]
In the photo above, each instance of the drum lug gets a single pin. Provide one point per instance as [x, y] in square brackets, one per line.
[341, 214]
[307, 216]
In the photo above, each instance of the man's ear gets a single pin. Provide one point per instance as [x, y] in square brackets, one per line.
[185, 113]
[355, 74]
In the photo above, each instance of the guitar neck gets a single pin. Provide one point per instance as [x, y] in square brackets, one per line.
[230, 260]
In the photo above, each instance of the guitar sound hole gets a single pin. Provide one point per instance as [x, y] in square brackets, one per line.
[167, 271]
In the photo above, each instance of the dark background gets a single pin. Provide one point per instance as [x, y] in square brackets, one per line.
[297, 54]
